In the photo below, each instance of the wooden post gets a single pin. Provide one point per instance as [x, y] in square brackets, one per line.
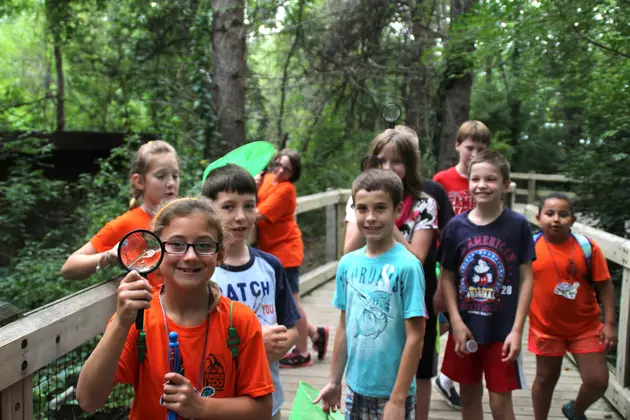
[623, 359]
[8, 313]
[331, 232]
[341, 227]
[16, 401]
[531, 189]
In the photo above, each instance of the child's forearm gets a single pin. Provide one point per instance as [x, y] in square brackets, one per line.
[607, 297]
[238, 408]
[524, 297]
[412, 352]
[97, 376]
[340, 352]
[353, 239]
[449, 291]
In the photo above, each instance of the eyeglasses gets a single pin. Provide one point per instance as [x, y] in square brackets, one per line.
[286, 170]
[201, 248]
[371, 162]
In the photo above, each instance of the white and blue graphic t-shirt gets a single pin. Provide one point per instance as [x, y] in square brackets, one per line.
[378, 294]
[262, 285]
[486, 261]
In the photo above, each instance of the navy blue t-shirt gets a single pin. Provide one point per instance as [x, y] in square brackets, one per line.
[486, 261]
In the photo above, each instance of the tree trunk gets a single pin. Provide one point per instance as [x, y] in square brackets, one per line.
[61, 113]
[456, 89]
[229, 71]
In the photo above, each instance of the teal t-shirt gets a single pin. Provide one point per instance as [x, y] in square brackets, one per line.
[378, 294]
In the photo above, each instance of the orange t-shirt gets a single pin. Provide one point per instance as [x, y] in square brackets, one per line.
[115, 230]
[566, 307]
[279, 234]
[248, 374]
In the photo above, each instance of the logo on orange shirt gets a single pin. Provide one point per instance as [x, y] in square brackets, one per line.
[214, 372]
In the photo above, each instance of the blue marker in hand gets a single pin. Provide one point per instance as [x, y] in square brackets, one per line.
[174, 362]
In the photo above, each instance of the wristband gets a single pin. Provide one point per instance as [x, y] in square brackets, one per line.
[98, 264]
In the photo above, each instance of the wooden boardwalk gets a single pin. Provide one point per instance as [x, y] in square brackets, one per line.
[321, 312]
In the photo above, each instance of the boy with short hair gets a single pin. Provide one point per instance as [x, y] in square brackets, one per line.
[249, 275]
[380, 292]
[473, 137]
[486, 256]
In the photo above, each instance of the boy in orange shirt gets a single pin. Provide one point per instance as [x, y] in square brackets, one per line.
[564, 314]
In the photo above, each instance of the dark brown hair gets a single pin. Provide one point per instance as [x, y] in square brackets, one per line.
[229, 178]
[495, 159]
[379, 180]
[295, 160]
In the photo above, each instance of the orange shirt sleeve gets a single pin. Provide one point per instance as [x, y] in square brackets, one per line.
[280, 202]
[127, 371]
[599, 266]
[114, 230]
[253, 374]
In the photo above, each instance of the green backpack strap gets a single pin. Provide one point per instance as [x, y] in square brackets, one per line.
[233, 339]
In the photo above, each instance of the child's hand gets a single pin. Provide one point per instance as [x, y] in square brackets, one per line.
[111, 256]
[134, 293]
[275, 338]
[511, 347]
[180, 396]
[394, 411]
[461, 334]
[608, 336]
[330, 397]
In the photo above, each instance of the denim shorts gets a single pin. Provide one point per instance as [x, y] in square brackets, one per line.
[360, 407]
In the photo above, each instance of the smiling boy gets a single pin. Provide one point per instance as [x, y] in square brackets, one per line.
[249, 275]
[380, 292]
[486, 256]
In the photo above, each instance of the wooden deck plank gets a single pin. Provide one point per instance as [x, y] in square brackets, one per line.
[321, 312]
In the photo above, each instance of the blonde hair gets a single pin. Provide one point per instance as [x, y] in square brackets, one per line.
[474, 130]
[406, 148]
[141, 163]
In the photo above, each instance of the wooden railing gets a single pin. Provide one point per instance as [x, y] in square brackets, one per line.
[532, 193]
[48, 333]
[617, 250]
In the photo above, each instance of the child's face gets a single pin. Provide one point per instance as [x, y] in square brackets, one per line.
[486, 183]
[161, 182]
[392, 161]
[283, 169]
[239, 215]
[556, 219]
[189, 271]
[468, 149]
[375, 214]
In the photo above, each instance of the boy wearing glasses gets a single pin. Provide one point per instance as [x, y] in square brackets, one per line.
[251, 276]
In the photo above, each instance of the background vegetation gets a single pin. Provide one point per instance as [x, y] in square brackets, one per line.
[549, 78]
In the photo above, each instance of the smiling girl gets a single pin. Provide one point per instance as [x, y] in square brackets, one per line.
[237, 376]
[154, 177]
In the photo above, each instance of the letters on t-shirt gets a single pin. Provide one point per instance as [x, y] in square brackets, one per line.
[483, 274]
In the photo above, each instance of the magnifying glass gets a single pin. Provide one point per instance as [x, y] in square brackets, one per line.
[391, 113]
[371, 162]
[140, 250]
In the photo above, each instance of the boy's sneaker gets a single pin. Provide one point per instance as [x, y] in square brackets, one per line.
[321, 344]
[450, 395]
[296, 360]
[567, 410]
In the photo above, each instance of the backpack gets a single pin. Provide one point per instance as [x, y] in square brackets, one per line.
[587, 251]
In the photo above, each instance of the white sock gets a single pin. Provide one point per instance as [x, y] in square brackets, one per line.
[445, 381]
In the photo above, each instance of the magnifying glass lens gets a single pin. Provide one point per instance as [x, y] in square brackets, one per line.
[141, 251]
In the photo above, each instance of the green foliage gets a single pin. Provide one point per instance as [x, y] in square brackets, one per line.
[602, 169]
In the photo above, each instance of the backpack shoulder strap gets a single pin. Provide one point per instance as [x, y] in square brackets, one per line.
[586, 246]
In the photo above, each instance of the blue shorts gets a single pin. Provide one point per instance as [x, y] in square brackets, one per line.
[443, 318]
[360, 407]
[293, 276]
